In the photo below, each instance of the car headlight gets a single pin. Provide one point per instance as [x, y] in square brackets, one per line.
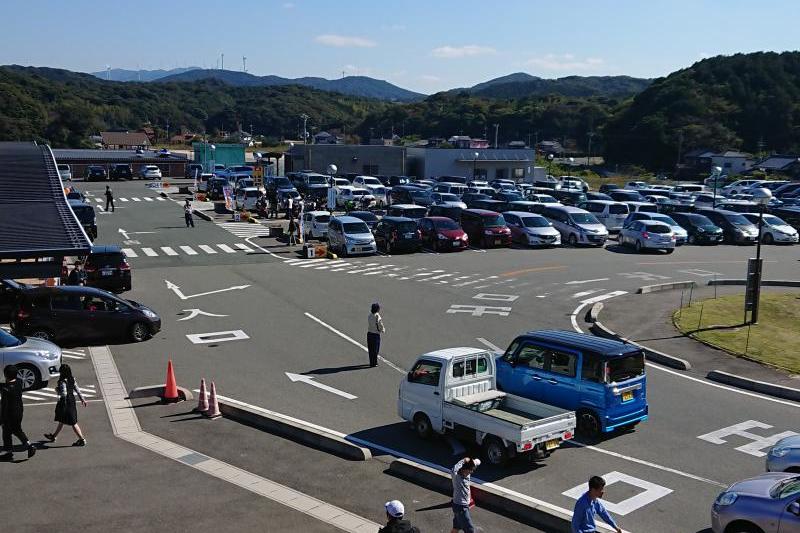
[441, 237]
[726, 498]
[700, 230]
[779, 452]
[46, 355]
[488, 232]
[149, 314]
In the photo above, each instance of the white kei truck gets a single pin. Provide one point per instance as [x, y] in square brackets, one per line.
[454, 391]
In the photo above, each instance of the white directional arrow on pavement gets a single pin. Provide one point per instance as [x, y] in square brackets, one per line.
[310, 381]
[195, 312]
[174, 288]
[126, 233]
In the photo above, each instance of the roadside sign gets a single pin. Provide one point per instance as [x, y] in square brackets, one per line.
[752, 290]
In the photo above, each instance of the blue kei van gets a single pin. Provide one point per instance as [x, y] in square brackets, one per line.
[602, 380]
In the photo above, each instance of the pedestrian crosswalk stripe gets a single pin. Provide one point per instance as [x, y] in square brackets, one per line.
[241, 229]
[148, 199]
[136, 199]
[44, 393]
[99, 200]
[188, 250]
[149, 252]
[206, 248]
[225, 248]
[169, 251]
[311, 262]
[129, 252]
[243, 247]
[49, 395]
[160, 199]
[123, 199]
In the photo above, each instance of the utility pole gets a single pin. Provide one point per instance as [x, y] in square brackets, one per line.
[589, 153]
[496, 128]
[244, 64]
[680, 147]
[223, 61]
[305, 131]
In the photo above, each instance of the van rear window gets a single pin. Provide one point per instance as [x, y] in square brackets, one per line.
[622, 368]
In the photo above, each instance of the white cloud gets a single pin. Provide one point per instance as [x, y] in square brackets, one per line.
[565, 62]
[450, 52]
[430, 78]
[355, 70]
[288, 5]
[344, 41]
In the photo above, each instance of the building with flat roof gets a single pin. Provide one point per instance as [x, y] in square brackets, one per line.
[486, 163]
[171, 165]
[369, 160]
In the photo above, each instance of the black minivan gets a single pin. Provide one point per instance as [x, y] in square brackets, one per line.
[699, 228]
[107, 268]
[86, 216]
[81, 314]
[736, 229]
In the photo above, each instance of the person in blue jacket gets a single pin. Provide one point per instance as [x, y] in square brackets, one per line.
[588, 506]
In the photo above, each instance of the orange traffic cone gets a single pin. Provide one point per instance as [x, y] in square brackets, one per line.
[171, 388]
[213, 405]
[202, 401]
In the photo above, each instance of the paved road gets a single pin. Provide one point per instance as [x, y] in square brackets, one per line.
[303, 317]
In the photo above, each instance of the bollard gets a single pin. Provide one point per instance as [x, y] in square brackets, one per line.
[700, 319]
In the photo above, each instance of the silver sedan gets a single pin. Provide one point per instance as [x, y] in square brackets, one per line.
[37, 360]
[784, 456]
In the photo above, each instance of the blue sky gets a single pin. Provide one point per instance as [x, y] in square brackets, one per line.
[423, 46]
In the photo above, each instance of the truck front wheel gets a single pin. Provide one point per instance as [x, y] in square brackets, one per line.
[588, 424]
[422, 425]
[495, 451]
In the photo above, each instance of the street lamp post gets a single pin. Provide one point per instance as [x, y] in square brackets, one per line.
[475, 165]
[762, 196]
[550, 157]
[717, 171]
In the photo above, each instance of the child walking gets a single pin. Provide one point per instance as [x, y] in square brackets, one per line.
[66, 410]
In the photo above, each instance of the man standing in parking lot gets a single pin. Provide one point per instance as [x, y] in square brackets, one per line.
[588, 506]
[109, 199]
[374, 330]
[187, 214]
[78, 275]
[462, 496]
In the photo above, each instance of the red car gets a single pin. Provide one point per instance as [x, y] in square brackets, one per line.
[442, 234]
[485, 228]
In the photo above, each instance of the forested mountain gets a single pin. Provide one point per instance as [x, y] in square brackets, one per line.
[522, 85]
[351, 85]
[121, 74]
[746, 101]
[64, 108]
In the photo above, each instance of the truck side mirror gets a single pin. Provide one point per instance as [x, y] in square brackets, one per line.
[794, 508]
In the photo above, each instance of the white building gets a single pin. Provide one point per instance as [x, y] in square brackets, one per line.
[488, 164]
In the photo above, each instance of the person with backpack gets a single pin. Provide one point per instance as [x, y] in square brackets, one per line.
[292, 230]
[11, 414]
[66, 409]
[109, 199]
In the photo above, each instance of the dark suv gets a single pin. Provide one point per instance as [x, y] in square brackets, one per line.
[192, 170]
[736, 229]
[397, 234]
[86, 216]
[95, 173]
[81, 314]
[121, 171]
[107, 268]
[699, 228]
[485, 228]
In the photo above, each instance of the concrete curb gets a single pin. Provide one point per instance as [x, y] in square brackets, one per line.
[295, 430]
[156, 391]
[204, 216]
[762, 387]
[653, 355]
[764, 283]
[594, 312]
[666, 287]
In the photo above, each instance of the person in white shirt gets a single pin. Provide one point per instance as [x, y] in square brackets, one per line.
[374, 330]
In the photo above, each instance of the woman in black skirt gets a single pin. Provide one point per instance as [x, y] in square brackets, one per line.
[66, 411]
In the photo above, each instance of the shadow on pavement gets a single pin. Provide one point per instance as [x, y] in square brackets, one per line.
[335, 370]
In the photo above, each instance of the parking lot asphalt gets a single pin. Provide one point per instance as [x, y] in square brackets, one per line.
[245, 319]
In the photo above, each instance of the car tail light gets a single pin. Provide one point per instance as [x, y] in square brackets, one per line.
[22, 314]
[568, 435]
[124, 266]
[646, 235]
[674, 237]
[527, 446]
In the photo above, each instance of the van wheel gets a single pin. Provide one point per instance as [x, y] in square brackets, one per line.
[28, 375]
[692, 239]
[494, 451]
[572, 239]
[139, 332]
[588, 424]
[43, 334]
[422, 425]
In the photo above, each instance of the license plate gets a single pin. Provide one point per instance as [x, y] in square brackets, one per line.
[552, 444]
[408, 235]
[627, 396]
[106, 272]
[497, 241]
[456, 244]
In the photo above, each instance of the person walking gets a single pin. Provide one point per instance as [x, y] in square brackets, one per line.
[462, 496]
[78, 275]
[394, 519]
[11, 414]
[588, 506]
[109, 199]
[273, 204]
[188, 214]
[292, 229]
[66, 410]
[374, 330]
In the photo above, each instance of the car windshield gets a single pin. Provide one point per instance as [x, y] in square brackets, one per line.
[322, 219]
[738, 220]
[364, 215]
[7, 340]
[359, 192]
[421, 195]
[372, 181]
[282, 182]
[666, 220]
[105, 259]
[623, 368]
[405, 226]
[253, 194]
[85, 213]
[445, 224]
[414, 213]
[512, 195]
[355, 227]
[447, 197]
[535, 222]
[786, 488]
[583, 218]
[494, 221]
[546, 199]
[317, 180]
[616, 209]
[657, 228]
[699, 220]
[773, 220]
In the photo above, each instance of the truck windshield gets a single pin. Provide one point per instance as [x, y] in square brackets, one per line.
[627, 367]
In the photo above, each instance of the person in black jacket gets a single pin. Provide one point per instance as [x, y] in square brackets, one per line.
[394, 519]
[11, 414]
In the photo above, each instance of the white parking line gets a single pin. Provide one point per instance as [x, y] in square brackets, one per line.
[169, 251]
[135, 199]
[188, 250]
[129, 252]
[585, 281]
[585, 293]
[573, 317]
[488, 344]
[206, 248]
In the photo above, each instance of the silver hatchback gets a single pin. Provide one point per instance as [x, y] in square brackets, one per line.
[37, 360]
[648, 235]
[769, 503]
[784, 456]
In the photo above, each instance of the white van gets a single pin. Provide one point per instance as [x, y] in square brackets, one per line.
[350, 236]
[611, 214]
[65, 172]
[315, 224]
[642, 207]
[576, 225]
[246, 198]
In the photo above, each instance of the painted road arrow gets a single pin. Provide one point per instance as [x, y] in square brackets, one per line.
[310, 381]
[126, 233]
[174, 288]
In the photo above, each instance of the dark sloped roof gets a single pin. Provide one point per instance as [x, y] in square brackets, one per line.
[35, 219]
